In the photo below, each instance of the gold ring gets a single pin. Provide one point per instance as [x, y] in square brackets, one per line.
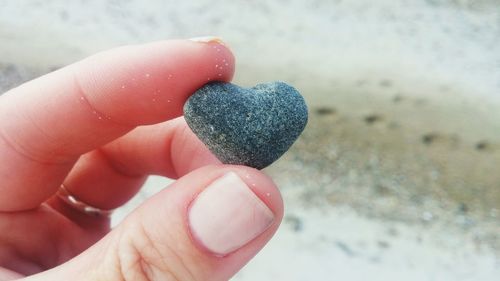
[79, 205]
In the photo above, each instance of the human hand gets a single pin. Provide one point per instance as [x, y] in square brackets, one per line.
[100, 126]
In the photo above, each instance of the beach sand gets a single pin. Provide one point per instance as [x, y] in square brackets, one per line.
[395, 175]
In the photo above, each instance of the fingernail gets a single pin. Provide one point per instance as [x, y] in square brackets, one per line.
[208, 39]
[227, 215]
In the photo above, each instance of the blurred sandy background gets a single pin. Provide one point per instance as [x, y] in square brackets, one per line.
[395, 177]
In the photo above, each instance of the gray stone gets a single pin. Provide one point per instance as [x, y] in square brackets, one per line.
[251, 127]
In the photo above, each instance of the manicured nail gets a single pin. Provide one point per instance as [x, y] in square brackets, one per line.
[208, 39]
[228, 215]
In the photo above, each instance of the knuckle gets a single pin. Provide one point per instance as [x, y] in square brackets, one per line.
[144, 259]
[31, 151]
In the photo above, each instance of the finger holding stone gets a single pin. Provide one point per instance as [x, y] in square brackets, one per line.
[51, 121]
[168, 149]
[205, 226]
[109, 177]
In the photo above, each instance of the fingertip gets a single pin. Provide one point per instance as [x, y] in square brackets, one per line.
[188, 152]
[217, 52]
[264, 187]
[256, 180]
[233, 216]
[222, 50]
[147, 84]
[224, 215]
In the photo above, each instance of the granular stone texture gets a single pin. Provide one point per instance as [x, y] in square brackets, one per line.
[251, 127]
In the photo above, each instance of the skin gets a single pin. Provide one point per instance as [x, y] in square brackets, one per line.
[100, 126]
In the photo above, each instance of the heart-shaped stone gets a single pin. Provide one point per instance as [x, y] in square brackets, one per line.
[251, 127]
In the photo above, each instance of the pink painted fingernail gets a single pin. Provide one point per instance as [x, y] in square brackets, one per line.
[228, 215]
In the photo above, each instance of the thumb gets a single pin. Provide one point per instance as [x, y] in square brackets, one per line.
[205, 226]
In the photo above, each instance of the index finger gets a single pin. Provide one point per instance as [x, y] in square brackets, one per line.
[48, 122]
